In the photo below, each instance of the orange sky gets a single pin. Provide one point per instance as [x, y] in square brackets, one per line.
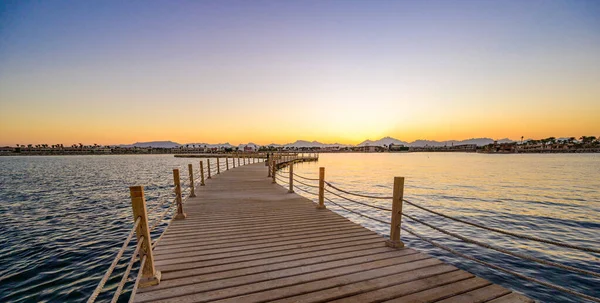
[119, 74]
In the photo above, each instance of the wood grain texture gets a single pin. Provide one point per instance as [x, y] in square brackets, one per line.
[246, 239]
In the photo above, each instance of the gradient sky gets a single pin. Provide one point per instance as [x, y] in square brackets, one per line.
[275, 71]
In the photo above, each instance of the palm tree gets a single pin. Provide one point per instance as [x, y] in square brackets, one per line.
[522, 140]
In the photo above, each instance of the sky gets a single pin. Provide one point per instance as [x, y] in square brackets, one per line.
[112, 72]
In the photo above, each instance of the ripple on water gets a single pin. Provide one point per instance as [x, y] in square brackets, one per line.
[64, 218]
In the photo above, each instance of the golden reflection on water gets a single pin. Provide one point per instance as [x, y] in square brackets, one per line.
[551, 196]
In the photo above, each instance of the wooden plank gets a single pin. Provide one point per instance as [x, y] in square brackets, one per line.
[346, 285]
[483, 294]
[214, 290]
[512, 298]
[247, 240]
[444, 291]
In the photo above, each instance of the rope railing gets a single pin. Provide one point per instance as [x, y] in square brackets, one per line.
[127, 270]
[281, 180]
[355, 212]
[162, 216]
[356, 194]
[306, 184]
[522, 236]
[329, 188]
[137, 280]
[550, 285]
[114, 263]
[305, 178]
[162, 234]
[505, 251]
[358, 202]
[306, 191]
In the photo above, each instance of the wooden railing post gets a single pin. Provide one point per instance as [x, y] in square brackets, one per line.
[321, 188]
[180, 214]
[191, 172]
[291, 180]
[394, 240]
[150, 276]
[274, 168]
[201, 173]
[208, 168]
[238, 156]
[218, 167]
[233, 161]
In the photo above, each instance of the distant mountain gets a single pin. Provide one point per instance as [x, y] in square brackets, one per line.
[159, 144]
[253, 145]
[477, 141]
[383, 141]
[303, 143]
[224, 145]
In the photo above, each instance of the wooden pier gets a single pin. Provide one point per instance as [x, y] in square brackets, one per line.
[246, 239]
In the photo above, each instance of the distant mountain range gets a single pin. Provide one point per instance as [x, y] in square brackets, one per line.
[386, 141]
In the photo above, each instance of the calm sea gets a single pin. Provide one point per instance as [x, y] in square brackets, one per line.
[64, 218]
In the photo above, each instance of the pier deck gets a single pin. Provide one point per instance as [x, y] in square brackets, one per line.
[248, 240]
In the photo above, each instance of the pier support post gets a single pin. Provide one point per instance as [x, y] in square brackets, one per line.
[321, 188]
[291, 180]
[208, 168]
[180, 214]
[150, 276]
[201, 173]
[191, 173]
[394, 240]
[218, 166]
[233, 161]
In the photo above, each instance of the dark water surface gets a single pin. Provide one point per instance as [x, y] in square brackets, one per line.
[64, 218]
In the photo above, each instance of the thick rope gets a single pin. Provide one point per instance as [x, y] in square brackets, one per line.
[358, 202]
[161, 217]
[162, 234]
[557, 243]
[137, 279]
[560, 288]
[306, 191]
[357, 213]
[307, 185]
[126, 274]
[305, 178]
[281, 180]
[114, 263]
[159, 205]
[502, 250]
[355, 194]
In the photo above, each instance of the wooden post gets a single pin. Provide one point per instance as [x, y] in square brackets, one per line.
[192, 189]
[150, 276]
[233, 161]
[208, 168]
[226, 162]
[321, 188]
[180, 214]
[238, 156]
[201, 173]
[269, 162]
[274, 172]
[291, 181]
[218, 167]
[394, 240]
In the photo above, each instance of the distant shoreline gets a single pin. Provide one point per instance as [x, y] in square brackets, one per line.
[223, 154]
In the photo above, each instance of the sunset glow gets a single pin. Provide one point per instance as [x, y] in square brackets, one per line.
[271, 71]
